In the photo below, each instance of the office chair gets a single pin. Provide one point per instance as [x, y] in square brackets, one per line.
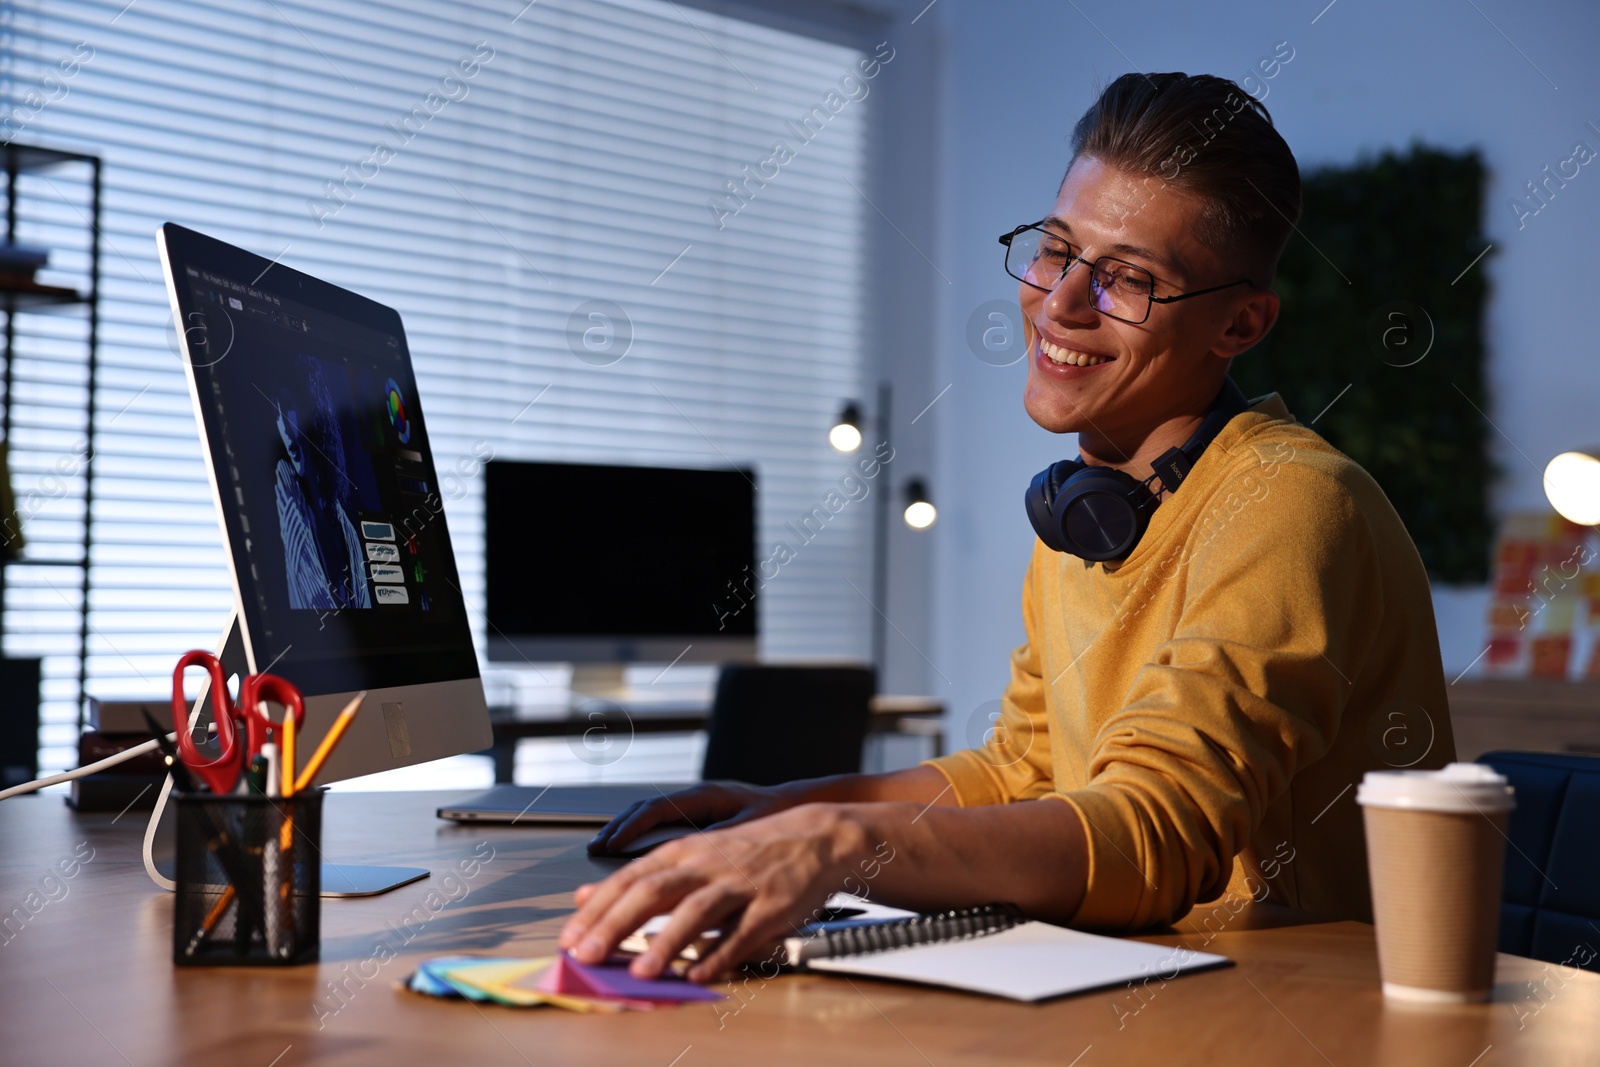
[1552, 881]
[776, 724]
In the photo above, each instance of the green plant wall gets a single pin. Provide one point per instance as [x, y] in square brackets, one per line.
[1380, 341]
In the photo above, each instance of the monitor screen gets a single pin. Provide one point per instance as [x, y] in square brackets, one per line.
[324, 470]
[580, 550]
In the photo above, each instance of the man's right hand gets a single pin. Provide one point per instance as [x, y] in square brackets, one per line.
[710, 804]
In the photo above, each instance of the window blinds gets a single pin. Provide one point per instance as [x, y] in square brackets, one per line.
[580, 209]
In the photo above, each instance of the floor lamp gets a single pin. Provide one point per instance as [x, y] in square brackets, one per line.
[845, 436]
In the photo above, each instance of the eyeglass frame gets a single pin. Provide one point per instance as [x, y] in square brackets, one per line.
[1151, 298]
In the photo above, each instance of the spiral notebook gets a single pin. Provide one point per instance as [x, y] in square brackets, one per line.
[990, 950]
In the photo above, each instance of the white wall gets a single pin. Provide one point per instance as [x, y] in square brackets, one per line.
[1364, 77]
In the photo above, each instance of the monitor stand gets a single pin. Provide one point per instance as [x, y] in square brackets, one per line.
[161, 836]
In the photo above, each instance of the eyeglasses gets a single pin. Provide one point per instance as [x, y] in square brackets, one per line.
[1117, 288]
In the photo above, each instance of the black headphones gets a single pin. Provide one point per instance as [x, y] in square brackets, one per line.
[1100, 513]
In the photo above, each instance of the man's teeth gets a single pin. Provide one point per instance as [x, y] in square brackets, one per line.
[1058, 354]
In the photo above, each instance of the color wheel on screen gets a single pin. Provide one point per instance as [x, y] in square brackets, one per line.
[395, 403]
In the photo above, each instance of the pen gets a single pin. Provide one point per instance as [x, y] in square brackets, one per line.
[271, 780]
[272, 858]
[256, 776]
[320, 756]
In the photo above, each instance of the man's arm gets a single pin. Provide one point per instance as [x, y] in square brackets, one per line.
[765, 879]
[724, 804]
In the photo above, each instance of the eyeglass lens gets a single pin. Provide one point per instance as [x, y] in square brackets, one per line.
[1118, 289]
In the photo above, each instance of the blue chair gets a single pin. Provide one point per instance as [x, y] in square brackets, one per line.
[1550, 906]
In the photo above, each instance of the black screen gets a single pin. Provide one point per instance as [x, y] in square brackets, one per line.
[322, 463]
[590, 550]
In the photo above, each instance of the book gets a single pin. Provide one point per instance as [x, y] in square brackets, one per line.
[127, 716]
[22, 259]
[96, 745]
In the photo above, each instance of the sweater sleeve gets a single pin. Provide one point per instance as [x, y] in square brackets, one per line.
[1013, 763]
[1277, 613]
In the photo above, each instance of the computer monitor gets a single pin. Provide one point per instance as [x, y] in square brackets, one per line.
[323, 477]
[601, 565]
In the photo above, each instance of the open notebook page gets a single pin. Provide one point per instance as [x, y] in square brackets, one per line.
[1030, 961]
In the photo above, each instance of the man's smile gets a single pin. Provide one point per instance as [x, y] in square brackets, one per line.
[1062, 359]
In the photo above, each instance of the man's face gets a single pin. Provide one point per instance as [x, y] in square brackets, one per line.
[1149, 373]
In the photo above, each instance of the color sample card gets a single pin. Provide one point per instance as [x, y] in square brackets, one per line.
[556, 981]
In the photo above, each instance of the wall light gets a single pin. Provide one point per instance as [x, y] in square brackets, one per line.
[846, 433]
[1572, 482]
[920, 513]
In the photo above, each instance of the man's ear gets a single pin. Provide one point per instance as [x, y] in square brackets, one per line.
[1253, 318]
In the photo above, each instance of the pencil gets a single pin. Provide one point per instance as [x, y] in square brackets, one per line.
[286, 832]
[287, 756]
[211, 920]
[320, 756]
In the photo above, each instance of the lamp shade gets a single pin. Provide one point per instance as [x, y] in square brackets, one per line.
[1572, 482]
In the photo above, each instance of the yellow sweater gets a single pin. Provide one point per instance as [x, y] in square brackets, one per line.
[1209, 705]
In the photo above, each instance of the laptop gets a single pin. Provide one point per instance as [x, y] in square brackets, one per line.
[580, 805]
[568, 805]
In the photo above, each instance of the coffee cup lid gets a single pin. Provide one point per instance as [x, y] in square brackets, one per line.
[1458, 787]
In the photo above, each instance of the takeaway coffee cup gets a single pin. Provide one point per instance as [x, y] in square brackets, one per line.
[1435, 856]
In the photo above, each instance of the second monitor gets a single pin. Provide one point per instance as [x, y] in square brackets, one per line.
[601, 566]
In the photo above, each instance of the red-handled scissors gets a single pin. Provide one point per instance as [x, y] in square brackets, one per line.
[221, 773]
[254, 694]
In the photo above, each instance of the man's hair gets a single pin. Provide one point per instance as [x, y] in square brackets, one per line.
[1208, 137]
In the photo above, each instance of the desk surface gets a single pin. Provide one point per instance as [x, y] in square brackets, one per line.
[87, 979]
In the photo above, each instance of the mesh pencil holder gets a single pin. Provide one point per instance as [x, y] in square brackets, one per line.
[249, 875]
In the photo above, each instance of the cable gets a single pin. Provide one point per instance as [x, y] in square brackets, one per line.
[99, 765]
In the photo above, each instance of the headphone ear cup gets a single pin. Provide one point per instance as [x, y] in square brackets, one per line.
[1101, 514]
[1040, 499]
[1058, 474]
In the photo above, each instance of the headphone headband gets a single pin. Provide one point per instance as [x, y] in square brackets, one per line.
[1174, 465]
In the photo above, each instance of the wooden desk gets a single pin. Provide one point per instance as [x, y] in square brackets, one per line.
[88, 980]
[609, 720]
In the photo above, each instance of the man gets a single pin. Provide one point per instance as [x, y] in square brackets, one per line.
[1182, 723]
